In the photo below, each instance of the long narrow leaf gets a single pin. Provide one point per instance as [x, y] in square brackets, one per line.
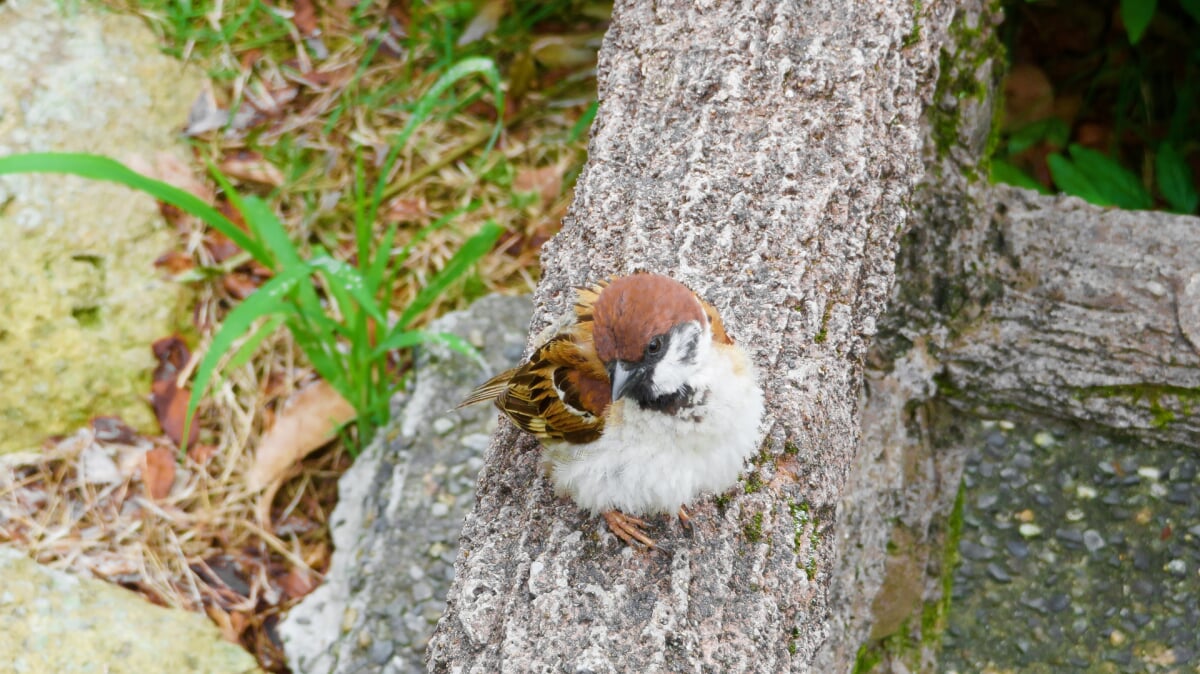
[1114, 182]
[263, 221]
[102, 168]
[1175, 179]
[424, 107]
[267, 300]
[1069, 179]
[473, 249]
[1136, 15]
[349, 281]
[411, 338]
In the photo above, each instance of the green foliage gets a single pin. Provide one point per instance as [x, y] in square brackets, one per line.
[1131, 100]
[1136, 15]
[336, 327]
[1098, 179]
[1175, 179]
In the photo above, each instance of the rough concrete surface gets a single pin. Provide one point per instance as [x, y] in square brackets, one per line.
[80, 300]
[763, 153]
[401, 506]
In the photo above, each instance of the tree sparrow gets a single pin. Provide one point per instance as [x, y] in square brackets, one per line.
[640, 398]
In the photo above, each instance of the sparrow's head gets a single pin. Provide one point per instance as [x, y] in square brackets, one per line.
[651, 333]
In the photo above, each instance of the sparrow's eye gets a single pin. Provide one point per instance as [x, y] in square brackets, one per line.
[655, 346]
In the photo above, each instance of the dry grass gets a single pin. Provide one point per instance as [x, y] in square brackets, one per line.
[212, 543]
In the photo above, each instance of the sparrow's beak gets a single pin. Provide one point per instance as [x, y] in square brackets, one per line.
[624, 377]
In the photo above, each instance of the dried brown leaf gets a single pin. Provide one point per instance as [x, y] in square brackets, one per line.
[168, 399]
[484, 22]
[546, 181]
[251, 167]
[309, 421]
[159, 472]
[175, 262]
[304, 15]
[113, 430]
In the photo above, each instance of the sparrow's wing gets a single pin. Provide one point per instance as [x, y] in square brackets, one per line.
[490, 389]
[562, 391]
[560, 394]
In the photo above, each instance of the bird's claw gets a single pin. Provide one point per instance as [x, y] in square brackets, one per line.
[628, 528]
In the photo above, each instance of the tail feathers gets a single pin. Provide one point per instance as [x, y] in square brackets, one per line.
[489, 390]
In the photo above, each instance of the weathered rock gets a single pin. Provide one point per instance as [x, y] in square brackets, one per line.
[80, 301]
[51, 621]
[400, 509]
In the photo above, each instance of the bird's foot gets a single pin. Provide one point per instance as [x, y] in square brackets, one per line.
[627, 528]
[685, 518]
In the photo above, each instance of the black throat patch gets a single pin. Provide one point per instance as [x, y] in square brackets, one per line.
[675, 404]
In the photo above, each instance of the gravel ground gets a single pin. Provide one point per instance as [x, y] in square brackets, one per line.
[1078, 553]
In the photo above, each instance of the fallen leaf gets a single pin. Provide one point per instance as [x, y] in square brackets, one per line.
[112, 429]
[175, 262]
[309, 420]
[159, 472]
[546, 181]
[405, 210]
[304, 15]
[201, 453]
[484, 22]
[168, 399]
[97, 467]
[297, 583]
[239, 285]
[251, 167]
[205, 115]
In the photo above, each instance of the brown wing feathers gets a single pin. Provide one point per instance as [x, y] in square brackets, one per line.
[561, 392]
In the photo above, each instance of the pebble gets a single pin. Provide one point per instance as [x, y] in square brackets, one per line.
[1018, 549]
[1043, 439]
[1029, 530]
[1070, 537]
[1149, 472]
[1177, 567]
[443, 425]
[974, 551]
[1058, 602]
[998, 573]
[1084, 491]
[1092, 540]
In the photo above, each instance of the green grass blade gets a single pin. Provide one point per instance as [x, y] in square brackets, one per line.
[410, 338]
[349, 281]
[584, 123]
[473, 249]
[1136, 15]
[102, 168]
[263, 222]
[248, 347]
[463, 69]
[267, 300]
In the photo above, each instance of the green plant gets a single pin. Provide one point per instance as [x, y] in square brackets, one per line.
[335, 331]
[1098, 179]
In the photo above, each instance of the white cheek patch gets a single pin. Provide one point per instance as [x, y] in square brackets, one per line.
[688, 347]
